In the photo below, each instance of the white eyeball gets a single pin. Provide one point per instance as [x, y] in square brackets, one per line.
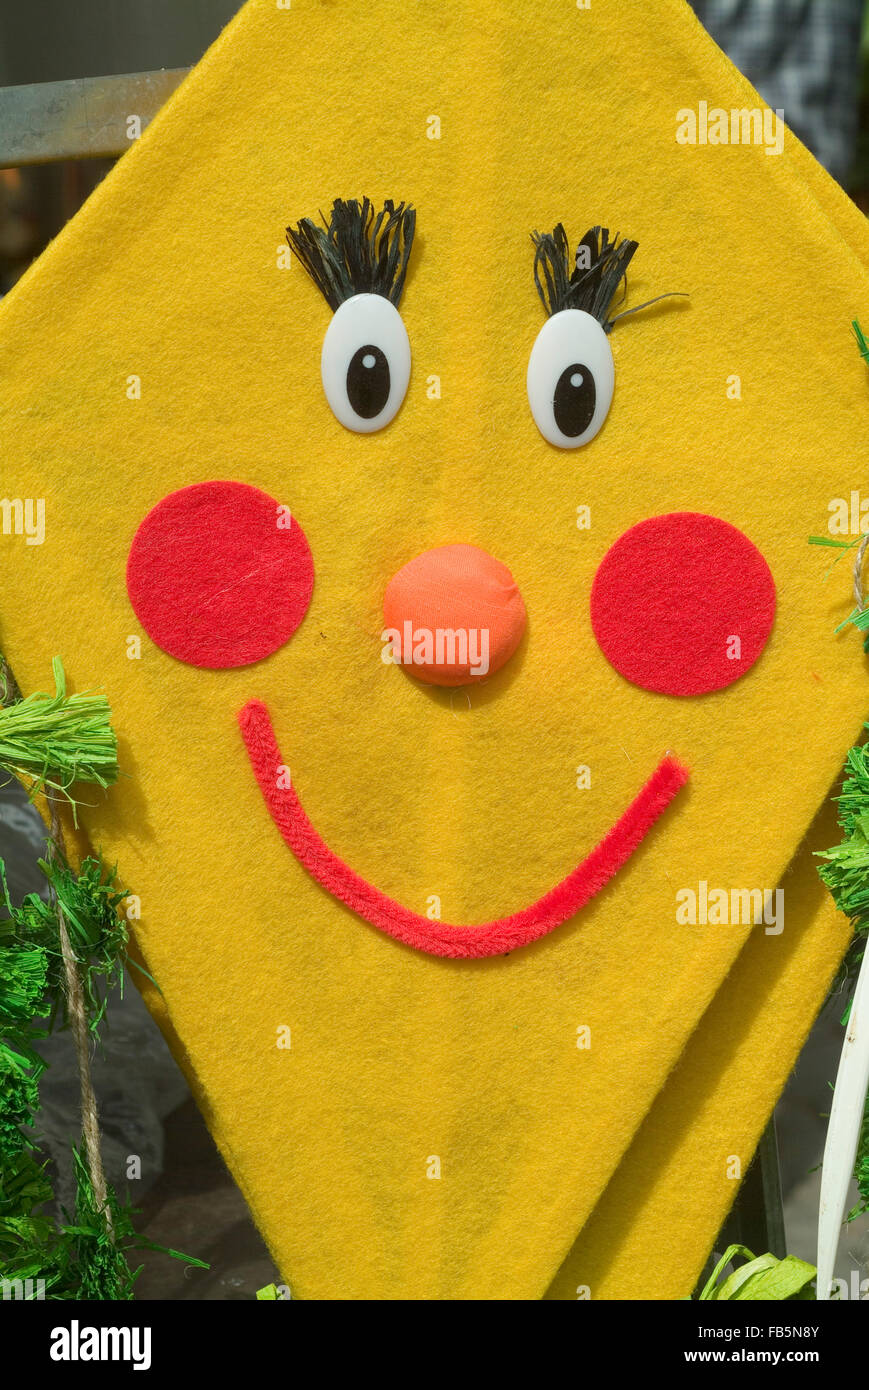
[571, 375]
[365, 362]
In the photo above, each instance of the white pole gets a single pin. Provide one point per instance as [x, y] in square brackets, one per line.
[843, 1132]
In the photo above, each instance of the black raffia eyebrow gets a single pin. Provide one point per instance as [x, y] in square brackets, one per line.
[592, 287]
[358, 251]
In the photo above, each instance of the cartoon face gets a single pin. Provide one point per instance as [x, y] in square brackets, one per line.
[405, 1120]
[220, 575]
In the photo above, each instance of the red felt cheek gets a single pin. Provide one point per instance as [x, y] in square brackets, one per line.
[682, 604]
[219, 574]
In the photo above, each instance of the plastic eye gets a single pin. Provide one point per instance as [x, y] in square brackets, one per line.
[365, 362]
[570, 378]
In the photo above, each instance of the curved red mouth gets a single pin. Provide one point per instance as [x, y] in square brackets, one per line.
[441, 938]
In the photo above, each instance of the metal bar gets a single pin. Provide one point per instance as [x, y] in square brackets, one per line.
[773, 1207]
[81, 118]
[757, 1219]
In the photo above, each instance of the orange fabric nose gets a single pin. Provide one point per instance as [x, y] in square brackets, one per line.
[453, 615]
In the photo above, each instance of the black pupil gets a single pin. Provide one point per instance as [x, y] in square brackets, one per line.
[574, 400]
[368, 381]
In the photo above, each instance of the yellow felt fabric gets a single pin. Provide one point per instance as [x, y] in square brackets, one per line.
[651, 1233]
[171, 274]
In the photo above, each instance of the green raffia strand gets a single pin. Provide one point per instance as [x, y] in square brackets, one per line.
[762, 1278]
[23, 1187]
[846, 875]
[97, 931]
[846, 871]
[102, 1269]
[832, 541]
[79, 1259]
[858, 617]
[19, 1097]
[53, 741]
[23, 975]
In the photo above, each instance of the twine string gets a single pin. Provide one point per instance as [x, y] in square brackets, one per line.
[90, 1122]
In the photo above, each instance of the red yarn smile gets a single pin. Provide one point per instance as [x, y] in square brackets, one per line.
[440, 938]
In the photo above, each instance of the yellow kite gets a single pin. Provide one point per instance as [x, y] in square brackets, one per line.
[474, 682]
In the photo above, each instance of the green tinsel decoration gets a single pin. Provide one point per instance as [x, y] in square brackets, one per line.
[98, 1258]
[50, 742]
[23, 1187]
[89, 900]
[846, 872]
[23, 973]
[84, 1257]
[19, 1097]
[80, 1258]
[53, 742]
